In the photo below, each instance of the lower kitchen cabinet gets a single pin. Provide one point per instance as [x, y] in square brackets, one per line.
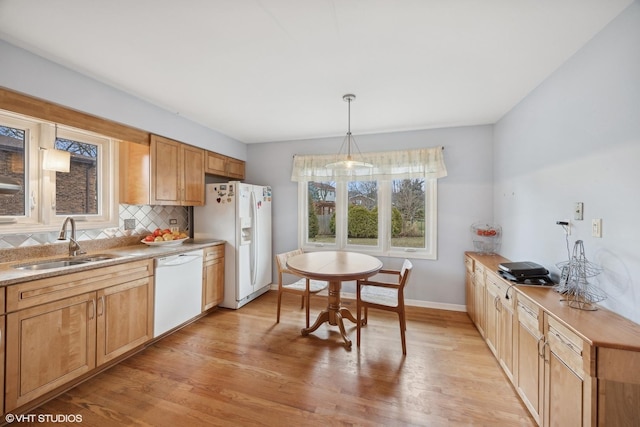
[213, 277]
[529, 372]
[567, 380]
[124, 318]
[48, 346]
[570, 367]
[470, 288]
[479, 298]
[63, 327]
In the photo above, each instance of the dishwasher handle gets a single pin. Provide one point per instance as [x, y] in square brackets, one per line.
[174, 260]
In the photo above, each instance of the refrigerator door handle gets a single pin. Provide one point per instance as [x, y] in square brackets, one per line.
[254, 238]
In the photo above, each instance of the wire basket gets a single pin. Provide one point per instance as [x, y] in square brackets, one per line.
[486, 237]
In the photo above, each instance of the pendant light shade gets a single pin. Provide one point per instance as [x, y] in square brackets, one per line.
[347, 158]
[56, 160]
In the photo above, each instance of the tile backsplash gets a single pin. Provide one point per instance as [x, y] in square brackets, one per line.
[146, 218]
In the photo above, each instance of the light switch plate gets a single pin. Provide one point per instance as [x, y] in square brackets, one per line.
[596, 227]
[578, 211]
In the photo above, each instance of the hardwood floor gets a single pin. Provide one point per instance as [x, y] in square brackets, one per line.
[238, 367]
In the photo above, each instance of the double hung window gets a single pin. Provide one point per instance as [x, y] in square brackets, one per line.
[378, 211]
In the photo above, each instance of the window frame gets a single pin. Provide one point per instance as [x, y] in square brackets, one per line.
[31, 157]
[40, 197]
[383, 248]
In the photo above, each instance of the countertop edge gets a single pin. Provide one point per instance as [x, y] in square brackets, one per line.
[11, 276]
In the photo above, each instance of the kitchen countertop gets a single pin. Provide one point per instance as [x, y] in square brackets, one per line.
[11, 276]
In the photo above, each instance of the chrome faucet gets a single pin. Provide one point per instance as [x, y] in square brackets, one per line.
[74, 247]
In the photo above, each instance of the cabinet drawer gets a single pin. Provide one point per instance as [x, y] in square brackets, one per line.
[502, 288]
[567, 345]
[41, 291]
[468, 263]
[529, 314]
[213, 252]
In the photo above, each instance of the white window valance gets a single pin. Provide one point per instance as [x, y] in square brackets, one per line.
[387, 165]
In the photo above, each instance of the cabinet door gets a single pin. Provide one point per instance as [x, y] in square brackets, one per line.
[480, 309]
[491, 317]
[134, 173]
[166, 161]
[192, 176]
[566, 386]
[529, 375]
[505, 336]
[216, 164]
[124, 318]
[213, 277]
[469, 288]
[48, 346]
[235, 168]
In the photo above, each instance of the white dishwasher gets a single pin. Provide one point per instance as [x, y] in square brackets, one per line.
[178, 295]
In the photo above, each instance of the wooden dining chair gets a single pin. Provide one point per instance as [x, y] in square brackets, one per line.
[388, 296]
[303, 286]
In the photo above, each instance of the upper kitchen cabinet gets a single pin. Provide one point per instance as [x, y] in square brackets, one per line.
[134, 173]
[217, 164]
[177, 173]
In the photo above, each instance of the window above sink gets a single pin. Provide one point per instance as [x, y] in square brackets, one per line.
[86, 192]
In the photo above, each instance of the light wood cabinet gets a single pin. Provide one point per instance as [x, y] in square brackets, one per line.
[217, 164]
[492, 313]
[567, 386]
[470, 288]
[479, 297]
[618, 386]
[61, 328]
[213, 277]
[570, 367]
[124, 318]
[48, 346]
[176, 173]
[134, 161]
[500, 320]
[529, 363]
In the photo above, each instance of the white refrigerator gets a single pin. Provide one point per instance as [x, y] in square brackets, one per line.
[239, 214]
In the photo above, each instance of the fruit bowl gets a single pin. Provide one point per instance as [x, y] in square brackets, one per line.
[175, 242]
[486, 237]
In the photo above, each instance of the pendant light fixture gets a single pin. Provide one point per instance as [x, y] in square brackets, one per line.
[345, 160]
[56, 160]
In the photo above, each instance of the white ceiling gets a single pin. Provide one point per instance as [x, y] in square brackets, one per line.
[271, 70]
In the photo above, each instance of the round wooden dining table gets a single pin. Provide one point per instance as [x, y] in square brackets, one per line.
[335, 267]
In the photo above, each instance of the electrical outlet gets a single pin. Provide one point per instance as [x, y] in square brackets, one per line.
[578, 211]
[173, 221]
[130, 224]
[596, 227]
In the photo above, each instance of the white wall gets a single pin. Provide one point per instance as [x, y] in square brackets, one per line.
[576, 138]
[464, 197]
[24, 72]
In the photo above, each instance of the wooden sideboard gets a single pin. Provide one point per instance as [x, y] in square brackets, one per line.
[570, 367]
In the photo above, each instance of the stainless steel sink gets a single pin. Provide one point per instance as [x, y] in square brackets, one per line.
[64, 262]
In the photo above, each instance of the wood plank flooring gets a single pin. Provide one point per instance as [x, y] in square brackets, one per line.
[240, 368]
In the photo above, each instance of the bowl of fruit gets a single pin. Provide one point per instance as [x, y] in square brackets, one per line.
[165, 237]
[486, 237]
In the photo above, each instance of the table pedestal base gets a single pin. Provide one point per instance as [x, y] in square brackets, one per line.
[333, 314]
